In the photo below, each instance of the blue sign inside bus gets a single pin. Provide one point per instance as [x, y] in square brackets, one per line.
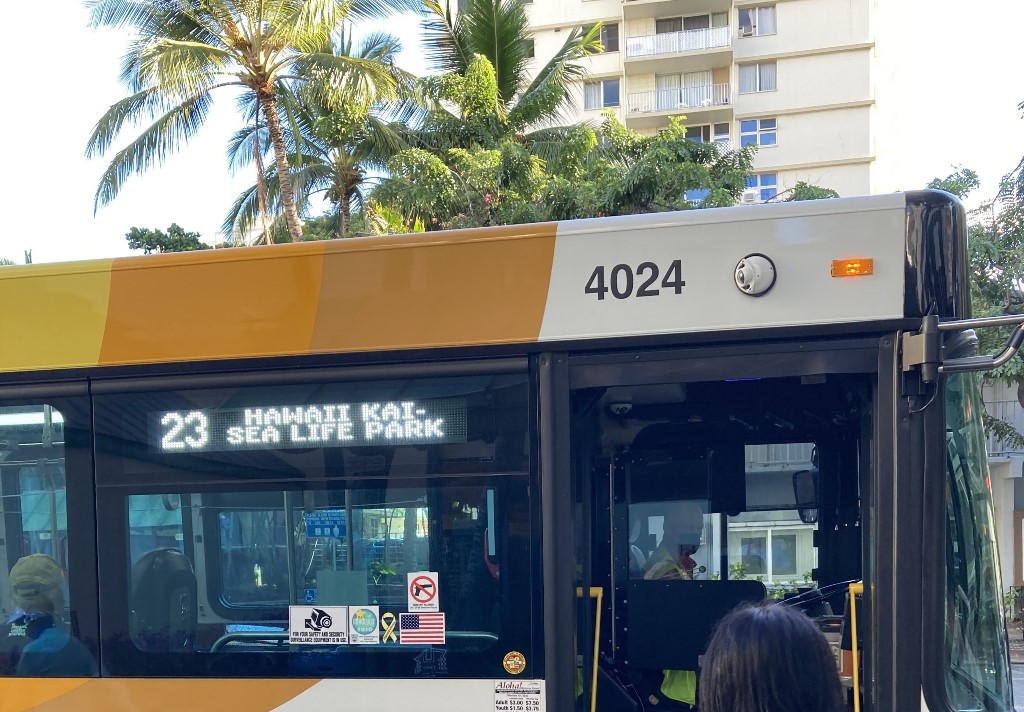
[325, 523]
[280, 427]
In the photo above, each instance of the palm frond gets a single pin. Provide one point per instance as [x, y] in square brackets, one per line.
[547, 92]
[121, 14]
[446, 47]
[338, 80]
[183, 69]
[146, 103]
[500, 31]
[154, 145]
[308, 26]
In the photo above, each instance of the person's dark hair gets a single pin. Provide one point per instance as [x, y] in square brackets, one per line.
[769, 658]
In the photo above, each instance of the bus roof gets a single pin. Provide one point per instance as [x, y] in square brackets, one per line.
[659, 273]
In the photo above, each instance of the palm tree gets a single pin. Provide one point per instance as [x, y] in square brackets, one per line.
[522, 108]
[332, 148]
[183, 50]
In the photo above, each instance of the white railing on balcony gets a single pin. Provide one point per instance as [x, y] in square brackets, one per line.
[1011, 412]
[673, 42]
[679, 99]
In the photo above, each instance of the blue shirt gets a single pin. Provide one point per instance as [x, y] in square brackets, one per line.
[56, 653]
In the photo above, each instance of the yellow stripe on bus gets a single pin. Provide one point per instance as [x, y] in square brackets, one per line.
[456, 288]
[165, 695]
[53, 316]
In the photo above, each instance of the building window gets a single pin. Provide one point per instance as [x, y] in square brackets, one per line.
[530, 51]
[766, 185]
[757, 77]
[696, 195]
[609, 36]
[758, 132]
[776, 554]
[667, 25]
[719, 133]
[602, 94]
[756, 21]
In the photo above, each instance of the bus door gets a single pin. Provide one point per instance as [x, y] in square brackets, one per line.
[704, 483]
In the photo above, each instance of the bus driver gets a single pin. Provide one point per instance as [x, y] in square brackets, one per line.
[672, 560]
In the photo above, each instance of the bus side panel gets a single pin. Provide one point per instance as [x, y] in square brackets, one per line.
[253, 695]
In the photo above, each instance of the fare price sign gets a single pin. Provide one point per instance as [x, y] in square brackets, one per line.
[518, 696]
[305, 425]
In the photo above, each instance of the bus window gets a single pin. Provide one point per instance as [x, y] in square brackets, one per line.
[768, 541]
[36, 636]
[329, 496]
[975, 632]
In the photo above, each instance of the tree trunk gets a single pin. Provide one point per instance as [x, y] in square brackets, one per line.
[261, 185]
[291, 215]
[346, 215]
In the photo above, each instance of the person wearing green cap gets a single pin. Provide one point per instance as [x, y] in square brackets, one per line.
[36, 635]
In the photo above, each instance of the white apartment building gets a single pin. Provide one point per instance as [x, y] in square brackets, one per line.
[795, 77]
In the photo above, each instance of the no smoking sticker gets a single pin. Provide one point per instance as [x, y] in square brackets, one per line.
[423, 592]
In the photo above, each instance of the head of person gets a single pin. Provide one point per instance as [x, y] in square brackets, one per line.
[37, 584]
[769, 658]
[684, 526]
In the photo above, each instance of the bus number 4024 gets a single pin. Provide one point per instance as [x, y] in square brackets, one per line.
[621, 279]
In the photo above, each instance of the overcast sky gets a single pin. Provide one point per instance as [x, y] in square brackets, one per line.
[963, 110]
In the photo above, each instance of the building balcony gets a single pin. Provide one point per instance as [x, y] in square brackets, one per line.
[675, 42]
[704, 105]
[637, 9]
[685, 51]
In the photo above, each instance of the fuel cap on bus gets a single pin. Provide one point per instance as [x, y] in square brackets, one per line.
[755, 274]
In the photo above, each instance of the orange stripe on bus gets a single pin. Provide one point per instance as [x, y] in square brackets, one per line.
[53, 315]
[19, 695]
[236, 302]
[127, 695]
[467, 287]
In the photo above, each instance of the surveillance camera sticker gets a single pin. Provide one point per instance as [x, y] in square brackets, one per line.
[318, 625]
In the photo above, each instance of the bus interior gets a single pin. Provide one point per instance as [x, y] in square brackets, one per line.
[773, 474]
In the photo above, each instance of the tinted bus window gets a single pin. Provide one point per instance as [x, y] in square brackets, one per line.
[37, 638]
[975, 632]
[232, 511]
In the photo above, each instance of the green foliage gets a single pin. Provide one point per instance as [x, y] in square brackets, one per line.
[1010, 604]
[4, 262]
[960, 182]
[174, 240]
[996, 259]
[610, 171]
[806, 191]
[737, 571]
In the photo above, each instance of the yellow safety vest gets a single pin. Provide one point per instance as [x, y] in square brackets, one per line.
[678, 685]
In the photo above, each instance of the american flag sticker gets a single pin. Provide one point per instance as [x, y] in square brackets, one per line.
[421, 629]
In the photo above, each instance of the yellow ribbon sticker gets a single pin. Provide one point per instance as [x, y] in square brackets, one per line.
[388, 622]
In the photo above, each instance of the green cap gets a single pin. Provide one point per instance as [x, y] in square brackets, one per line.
[33, 579]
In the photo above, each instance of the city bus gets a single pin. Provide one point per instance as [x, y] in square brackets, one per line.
[432, 471]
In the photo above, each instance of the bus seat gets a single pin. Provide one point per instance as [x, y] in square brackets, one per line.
[164, 613]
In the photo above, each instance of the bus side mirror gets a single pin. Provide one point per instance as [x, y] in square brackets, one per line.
[805, 492]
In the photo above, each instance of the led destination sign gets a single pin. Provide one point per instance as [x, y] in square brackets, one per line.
[310, 425]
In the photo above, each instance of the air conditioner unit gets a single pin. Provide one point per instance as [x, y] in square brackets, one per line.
[749, 196]
[746, 31]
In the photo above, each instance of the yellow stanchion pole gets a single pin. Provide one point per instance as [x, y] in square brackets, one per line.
[597, 593]
[856, 589]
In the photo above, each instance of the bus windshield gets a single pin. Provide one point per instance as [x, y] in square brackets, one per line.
[975, 631]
